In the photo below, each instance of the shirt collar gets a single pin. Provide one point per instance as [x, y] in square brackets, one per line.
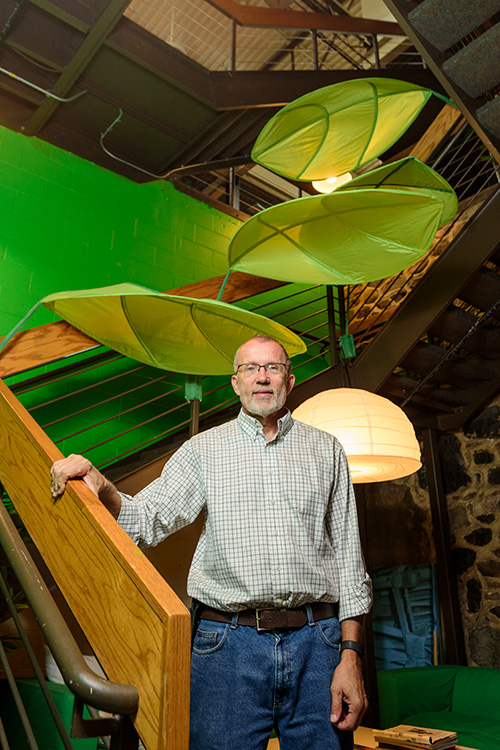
[253, 427]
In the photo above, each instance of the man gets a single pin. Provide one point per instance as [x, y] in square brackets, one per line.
[277, 566]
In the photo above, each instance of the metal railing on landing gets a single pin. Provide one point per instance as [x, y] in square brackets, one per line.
[217, 41]
[88, 688]
[473, 173]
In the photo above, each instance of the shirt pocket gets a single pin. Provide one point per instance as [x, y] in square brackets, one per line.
[308, 486]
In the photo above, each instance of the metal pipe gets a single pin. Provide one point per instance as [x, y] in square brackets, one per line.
[17, 698]
[376, 51]
[80, 679]
[331, 325]
[195, 417]
[233, 45]
[4, 743]
[314, 35]
[38, 88]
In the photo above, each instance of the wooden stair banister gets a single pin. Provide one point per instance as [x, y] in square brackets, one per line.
[137, 626]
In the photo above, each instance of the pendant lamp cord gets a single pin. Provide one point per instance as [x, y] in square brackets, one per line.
[344, 328]
[223, 286]
[18, 326]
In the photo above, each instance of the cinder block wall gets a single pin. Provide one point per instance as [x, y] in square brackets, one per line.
[69, 224]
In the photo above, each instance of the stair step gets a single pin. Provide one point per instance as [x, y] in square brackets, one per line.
[482, 291]
[455, 323]
[455, 371]
[495, 256]
[476, 67]
[489, 116]
[445, 399]
[445, 23]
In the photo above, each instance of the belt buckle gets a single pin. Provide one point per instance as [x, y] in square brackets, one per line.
[261, 628]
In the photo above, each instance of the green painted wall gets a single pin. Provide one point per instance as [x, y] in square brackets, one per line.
[66, 223]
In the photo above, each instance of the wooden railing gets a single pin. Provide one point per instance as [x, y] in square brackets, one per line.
[137, 626]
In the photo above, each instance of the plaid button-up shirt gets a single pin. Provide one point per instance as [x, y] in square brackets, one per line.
[280, 517]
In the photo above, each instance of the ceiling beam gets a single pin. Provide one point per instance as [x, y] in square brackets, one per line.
[80, 60]
[225, 90]
[276, 88]
[74, 13]
[251, 15]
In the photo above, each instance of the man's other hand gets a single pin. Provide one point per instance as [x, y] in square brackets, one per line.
[349, 701]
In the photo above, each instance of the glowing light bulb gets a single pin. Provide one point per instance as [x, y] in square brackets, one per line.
[331, 183]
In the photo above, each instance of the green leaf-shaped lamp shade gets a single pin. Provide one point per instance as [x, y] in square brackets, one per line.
[338, 128]
[412, 175]
[346, 237]
[182, 334]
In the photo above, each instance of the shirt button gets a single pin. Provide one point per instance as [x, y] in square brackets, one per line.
[278, 567]
[273, 502]
[275, 533]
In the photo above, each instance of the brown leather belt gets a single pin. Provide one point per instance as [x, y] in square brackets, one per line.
[273, 619]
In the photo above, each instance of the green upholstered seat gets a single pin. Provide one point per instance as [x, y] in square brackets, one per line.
[457, 698]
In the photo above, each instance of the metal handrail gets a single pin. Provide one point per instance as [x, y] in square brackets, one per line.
[89, 687]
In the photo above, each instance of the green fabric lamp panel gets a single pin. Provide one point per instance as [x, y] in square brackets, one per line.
[412, 175]
[346, 237]
[182, 334]
[338, 128]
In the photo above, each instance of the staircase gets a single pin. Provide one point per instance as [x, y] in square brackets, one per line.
[460, 42]
[438, 356]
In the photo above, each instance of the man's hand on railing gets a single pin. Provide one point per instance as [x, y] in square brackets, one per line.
[75, 466]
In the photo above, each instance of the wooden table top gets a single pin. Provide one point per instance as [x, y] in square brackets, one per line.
[363, 739]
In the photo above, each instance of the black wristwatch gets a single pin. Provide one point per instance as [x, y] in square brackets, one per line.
[354, 646]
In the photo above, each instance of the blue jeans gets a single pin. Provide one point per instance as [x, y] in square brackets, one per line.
[245, 683]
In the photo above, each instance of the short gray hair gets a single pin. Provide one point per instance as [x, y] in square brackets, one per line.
[262, 337]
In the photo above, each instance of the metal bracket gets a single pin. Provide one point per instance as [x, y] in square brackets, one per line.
[120, 729]
[94, 727]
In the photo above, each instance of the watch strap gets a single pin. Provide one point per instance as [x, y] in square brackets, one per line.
[353, 646]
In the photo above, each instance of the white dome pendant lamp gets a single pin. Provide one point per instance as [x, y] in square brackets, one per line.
[377, 436]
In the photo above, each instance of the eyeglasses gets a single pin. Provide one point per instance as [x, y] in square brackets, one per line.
[272, 368]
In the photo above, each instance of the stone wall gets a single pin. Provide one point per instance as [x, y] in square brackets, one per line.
[400, 529]
[471, 475]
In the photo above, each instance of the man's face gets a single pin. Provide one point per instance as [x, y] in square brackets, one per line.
[262, 393]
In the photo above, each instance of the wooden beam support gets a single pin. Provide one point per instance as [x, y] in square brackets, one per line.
[452, 638]
[82, 57]
[225, 90]
[446, 121]
[251, 15]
